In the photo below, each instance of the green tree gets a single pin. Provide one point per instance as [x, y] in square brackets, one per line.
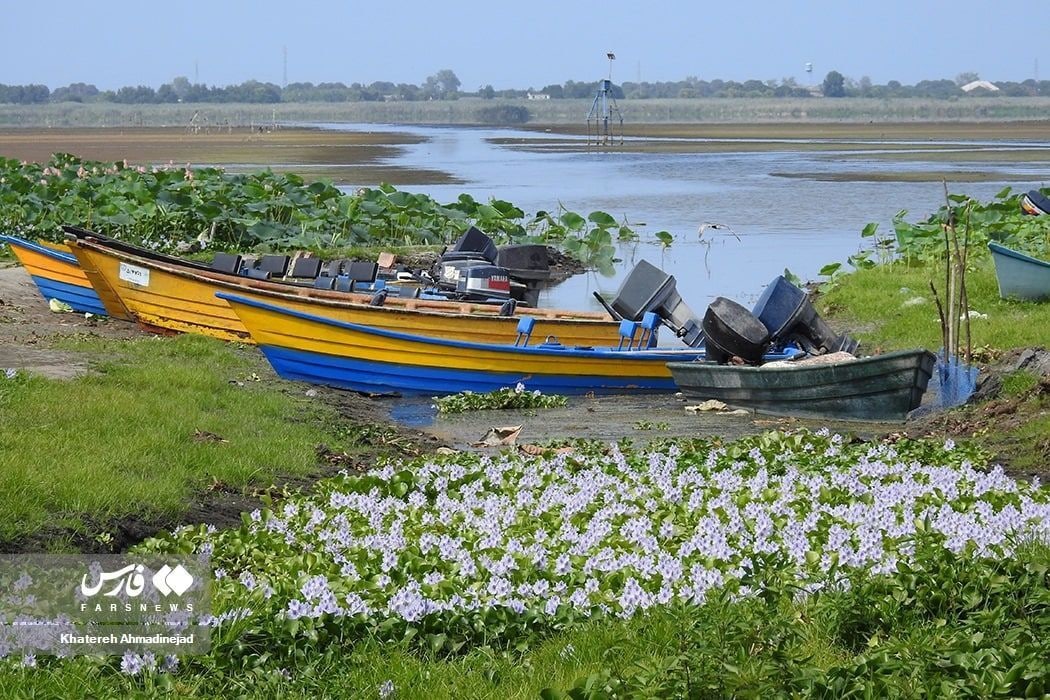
[834, 84]
[487, 92]
[443, 85]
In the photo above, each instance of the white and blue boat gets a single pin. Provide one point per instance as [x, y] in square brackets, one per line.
[1020, 276]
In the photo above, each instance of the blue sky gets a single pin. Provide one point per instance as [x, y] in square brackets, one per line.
[522, 44]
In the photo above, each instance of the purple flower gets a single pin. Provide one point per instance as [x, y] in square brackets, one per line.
[131, 664]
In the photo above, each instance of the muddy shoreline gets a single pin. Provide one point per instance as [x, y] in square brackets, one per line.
[364, 158]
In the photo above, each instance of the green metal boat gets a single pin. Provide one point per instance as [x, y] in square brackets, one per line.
[883, 387]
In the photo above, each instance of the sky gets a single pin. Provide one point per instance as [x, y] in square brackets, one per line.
[528, 43]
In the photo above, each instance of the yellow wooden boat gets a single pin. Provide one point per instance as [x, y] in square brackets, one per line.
[56, 274]
[166, 293]
[307, 347]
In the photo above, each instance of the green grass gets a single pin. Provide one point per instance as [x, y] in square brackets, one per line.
[890, 307]
[123, 440]
[1019, 383]
[359, 670]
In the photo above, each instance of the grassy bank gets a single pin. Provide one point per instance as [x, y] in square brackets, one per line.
[891, 307]
[158, 425]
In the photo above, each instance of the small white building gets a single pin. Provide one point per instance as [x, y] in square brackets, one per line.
[538, 96]
[982, 84]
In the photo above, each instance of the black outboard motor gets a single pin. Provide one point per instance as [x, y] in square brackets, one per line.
[484, 282]
[786, 312]
[470, 249]
[472, 245]
[648, 288]
[525, 261]
[730, 329]
[529, 264]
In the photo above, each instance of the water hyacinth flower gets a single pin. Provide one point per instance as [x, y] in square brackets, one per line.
[619, 530]
[10, 373]
[386, 689]
[131, 664]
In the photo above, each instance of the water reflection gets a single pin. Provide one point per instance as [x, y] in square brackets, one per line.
[782, 222]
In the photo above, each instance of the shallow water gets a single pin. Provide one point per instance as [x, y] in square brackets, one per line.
[796, 223]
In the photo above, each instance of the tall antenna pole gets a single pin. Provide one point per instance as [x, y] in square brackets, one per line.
[284, 84]
[196, 73]
[601, 110]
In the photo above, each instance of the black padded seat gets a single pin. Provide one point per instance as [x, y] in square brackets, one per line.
[362, 271]
[226, 262]
[306, 268]
[276, 265]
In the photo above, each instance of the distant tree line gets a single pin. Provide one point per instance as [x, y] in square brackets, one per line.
[444, 85]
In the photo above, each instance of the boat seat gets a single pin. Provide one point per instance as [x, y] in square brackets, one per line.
[525, 326]
[649, 325]
[258, 274]
[343, 283]
[628, 329]
[276, 265]
[324, 283]
[306, 268]
[405, 291]
[331, 268]
[226, 262]
[362, 271]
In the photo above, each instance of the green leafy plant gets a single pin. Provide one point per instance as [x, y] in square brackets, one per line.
[505, 398]
[180, 208]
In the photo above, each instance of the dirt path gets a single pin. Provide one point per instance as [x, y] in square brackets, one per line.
[28, 328]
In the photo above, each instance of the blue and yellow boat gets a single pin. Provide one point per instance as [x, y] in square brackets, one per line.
[311, 348]
[56, 273]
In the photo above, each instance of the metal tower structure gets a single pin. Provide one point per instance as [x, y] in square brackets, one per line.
[604, 109]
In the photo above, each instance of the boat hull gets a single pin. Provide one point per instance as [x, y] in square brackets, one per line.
[56, 274]
[322, 350]
[1020, 276]
[885, 387]
[162, 295]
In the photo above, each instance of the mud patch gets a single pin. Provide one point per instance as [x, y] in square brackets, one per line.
[639, 417]
[28, 329]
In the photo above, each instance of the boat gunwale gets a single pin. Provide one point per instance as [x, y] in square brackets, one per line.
[40, 249]
[802, 369]
[651, 355]
[999, 249]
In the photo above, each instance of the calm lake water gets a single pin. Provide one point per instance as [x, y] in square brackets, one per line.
[795, 223]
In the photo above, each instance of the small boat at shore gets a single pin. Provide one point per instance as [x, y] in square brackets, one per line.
[56, 273]
[1020, 276]
[163, 292]
[322, 350]
[883, 387]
